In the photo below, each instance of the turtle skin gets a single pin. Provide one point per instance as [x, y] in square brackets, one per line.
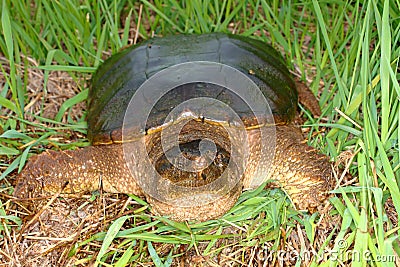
[299, 169]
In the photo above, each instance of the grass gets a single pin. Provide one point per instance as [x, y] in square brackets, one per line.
[349, 52]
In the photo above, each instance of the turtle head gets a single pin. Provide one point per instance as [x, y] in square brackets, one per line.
[190, 164]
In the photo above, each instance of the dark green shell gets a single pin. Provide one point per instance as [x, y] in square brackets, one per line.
[117, 79]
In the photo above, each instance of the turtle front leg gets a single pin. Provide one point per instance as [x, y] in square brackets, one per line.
[76, 172]
[305, 174]
[299, 169]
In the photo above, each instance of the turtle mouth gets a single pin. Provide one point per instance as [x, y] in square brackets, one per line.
[206, 164]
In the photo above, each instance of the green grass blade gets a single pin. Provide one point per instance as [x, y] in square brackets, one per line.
[384, 70]
[162, 15]
[80, 97]
[111, 233]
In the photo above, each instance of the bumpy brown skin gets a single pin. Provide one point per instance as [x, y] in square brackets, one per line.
[305, 174]
[301, 171]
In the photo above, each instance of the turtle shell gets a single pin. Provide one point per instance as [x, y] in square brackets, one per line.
[118, 78]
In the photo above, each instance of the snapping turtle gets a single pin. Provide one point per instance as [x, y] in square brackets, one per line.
[303, 173]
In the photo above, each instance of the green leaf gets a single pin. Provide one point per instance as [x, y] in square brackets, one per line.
[81, 97]
[111, 233]
[8, 150]
[123, 261]
[13, 134]
[154, 256]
